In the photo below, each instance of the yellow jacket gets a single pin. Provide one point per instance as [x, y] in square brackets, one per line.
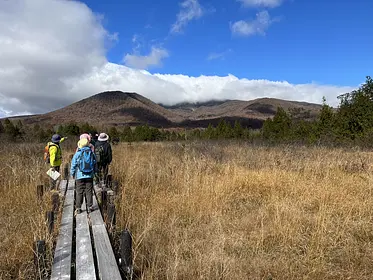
[55, 153]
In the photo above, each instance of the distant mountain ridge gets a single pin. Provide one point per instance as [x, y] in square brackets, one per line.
[116, 108]
[261, 108]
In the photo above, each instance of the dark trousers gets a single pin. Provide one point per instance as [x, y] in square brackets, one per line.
[84, 187]
[54, 182]
[103, 171]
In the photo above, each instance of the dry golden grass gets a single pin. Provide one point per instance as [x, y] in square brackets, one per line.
[214, 211]
[22, 217]
[233, 211]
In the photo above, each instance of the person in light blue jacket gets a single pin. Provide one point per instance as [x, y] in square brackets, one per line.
[83, 169]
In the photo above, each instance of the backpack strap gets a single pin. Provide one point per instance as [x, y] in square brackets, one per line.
[53, 144]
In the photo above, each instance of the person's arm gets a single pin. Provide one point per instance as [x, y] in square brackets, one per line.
[110, 153]
[74, 164]
[52, 155]
[63, 139]
[95, 171]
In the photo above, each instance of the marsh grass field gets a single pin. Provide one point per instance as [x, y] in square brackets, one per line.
[21, 215]
[215, 210]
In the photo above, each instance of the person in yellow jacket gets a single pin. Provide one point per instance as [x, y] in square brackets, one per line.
[55, 156]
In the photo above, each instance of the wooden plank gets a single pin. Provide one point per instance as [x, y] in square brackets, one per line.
[96, 187]
[61, 268]
[107, 265]
[95, 216]
[97, 190]
[85, 269]
[63, 186]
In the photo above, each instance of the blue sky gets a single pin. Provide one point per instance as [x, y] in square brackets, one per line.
[181, 51]
[327, 42]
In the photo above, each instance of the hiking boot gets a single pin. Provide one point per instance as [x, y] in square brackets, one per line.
[78, 211]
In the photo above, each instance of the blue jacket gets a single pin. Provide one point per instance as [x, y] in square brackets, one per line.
[75, 172]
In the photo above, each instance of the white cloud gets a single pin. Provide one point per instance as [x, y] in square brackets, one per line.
[39, 50]
[170, 89]
[146, 61]
[261, 3]
[49, 61]
[138, 41]
[190, 10]
[253, 27]
[219, 55]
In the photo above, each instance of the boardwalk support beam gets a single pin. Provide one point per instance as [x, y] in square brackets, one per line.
[40, 257]
[40, 192]
[55, 202]
[126, 253]
[110, 218]
[50, 221]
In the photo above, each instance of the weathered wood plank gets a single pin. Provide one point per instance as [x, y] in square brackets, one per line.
[107, 265]
[95, 216]
[61, 268]
[97, 190]
[63, 187]
[85, 269]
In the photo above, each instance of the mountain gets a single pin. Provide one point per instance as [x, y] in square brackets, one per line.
[260, 109]
[111, 108]
[124, 108]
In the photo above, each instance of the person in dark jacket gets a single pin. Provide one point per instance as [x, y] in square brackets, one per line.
[103, 157]
[94, 137]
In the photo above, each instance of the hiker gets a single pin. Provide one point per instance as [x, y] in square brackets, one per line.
[103, 156]
[83, 169]
[94, 137]
[88, 137]
[53, 156]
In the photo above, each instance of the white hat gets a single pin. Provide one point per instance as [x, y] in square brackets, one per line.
[103, 137]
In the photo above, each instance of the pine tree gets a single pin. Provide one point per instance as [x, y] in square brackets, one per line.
[223, 130]
[113, 132]
[11, 131]
[279, 127]
[86, 128]
[72, 129]
[325, 121]
[127, 134]
[355, 113]
[174, 136]
[237, 130]
[209, 132]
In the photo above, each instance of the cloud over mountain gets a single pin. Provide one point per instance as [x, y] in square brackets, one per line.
[49, 61]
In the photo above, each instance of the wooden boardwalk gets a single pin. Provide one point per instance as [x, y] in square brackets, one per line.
[93, 257]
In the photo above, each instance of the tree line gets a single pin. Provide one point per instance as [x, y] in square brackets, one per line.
[350, 123]
[16, 131]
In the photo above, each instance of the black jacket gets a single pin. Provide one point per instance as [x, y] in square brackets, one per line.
[107, 149]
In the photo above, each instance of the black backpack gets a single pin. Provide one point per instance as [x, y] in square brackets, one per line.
[101, 157]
